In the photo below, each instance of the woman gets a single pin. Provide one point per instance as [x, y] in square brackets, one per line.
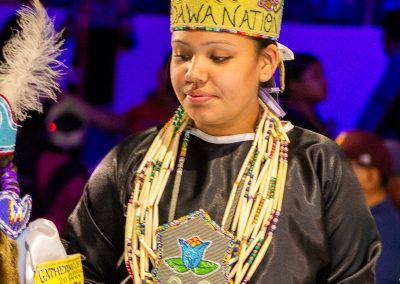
[305, 88]
[277, 212]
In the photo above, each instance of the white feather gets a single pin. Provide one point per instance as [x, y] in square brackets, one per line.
[31, 68]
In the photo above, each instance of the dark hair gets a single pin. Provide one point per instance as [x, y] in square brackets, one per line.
[163, 79]
[166, 72]
[391, 24]
[294, 69]
[263, 43]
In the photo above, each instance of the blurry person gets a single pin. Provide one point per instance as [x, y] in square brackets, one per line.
[381, 113]
[159, 105]
[108, 29]
[394, 182]
[106, 126]
[61, 173]
[372, 164]
[305, 88]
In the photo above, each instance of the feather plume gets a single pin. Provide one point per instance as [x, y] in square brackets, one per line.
[31, 68]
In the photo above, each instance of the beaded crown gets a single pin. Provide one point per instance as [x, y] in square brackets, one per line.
[255, 18]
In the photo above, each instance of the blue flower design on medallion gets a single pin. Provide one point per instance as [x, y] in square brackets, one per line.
[193, 250]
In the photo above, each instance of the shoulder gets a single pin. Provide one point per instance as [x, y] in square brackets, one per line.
[311, 143]
[137, 141]
[112, 179]
[314, 155]
[121, 162]
[133, 148]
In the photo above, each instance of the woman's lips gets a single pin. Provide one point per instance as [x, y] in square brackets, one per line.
[198, 97]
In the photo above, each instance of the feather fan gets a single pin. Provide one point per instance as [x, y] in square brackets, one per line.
[31, 67]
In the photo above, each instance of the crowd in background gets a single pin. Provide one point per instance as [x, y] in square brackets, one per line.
[305, 11]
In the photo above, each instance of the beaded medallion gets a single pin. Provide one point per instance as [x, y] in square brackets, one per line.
[188, 257]
[14, 213]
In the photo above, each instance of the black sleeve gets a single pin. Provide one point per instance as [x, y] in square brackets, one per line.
[96, 227]
[353, 239]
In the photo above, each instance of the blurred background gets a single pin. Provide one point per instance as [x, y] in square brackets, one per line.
[116, 82]
[345, 79]
[121, 45]
[114, 48]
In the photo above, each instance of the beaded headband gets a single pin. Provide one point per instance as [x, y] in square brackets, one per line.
[254, 18]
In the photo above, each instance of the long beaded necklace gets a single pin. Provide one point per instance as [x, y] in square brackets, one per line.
[252, 211]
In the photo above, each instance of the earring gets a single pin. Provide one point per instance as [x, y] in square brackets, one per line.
[265, 95]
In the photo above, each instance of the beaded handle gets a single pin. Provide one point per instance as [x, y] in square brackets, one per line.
[9, 178]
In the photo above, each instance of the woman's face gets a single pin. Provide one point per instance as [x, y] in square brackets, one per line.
[312, 83]
[216, 78]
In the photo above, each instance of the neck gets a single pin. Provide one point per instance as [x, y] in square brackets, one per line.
[244, 124]
[375, 197]
[224, 131]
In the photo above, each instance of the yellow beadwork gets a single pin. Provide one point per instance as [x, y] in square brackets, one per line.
[256, 18]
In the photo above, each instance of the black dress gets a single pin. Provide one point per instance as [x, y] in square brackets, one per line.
[325, 233]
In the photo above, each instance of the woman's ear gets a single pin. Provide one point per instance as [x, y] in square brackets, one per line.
[269, 60]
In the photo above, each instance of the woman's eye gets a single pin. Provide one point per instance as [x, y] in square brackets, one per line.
[182, 57]
[220, 59]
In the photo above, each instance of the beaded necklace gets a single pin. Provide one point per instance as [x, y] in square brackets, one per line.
[252, 211]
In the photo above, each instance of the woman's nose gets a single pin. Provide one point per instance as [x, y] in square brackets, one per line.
[196, 71]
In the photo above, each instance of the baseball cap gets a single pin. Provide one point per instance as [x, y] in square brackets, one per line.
[367, 149]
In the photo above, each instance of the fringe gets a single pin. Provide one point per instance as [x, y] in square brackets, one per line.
[31, 67]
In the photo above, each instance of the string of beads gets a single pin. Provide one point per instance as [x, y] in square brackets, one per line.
[253, 209]
[9, 179]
